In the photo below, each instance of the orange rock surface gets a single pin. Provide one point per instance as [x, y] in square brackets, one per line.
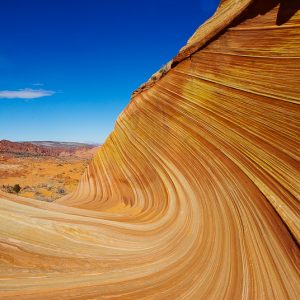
[195, 194]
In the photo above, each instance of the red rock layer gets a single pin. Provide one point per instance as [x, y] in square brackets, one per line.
[195, 194]
[8, 148]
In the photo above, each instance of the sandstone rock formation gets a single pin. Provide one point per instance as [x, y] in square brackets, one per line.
[195, 194]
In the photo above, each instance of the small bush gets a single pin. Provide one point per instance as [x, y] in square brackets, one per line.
[17, 188]
[61, 191]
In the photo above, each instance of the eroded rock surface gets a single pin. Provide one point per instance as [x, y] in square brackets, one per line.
[195, 194]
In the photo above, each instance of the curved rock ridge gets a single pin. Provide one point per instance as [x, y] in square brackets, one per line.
[195, 194]
[227, 12]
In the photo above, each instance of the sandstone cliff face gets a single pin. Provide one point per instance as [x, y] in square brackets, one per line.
[195, 194]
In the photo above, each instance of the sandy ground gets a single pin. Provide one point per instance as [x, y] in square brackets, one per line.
[41, 178]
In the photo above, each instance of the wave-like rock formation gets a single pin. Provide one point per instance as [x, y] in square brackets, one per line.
[195, 194]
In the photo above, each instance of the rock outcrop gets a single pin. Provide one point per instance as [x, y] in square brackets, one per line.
[53, 149]
[195, 194]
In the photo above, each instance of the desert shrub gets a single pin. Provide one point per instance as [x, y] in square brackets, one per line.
[27, 188]
[17, 188]
[61, 191]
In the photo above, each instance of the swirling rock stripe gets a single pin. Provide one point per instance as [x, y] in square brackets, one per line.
[195, 194]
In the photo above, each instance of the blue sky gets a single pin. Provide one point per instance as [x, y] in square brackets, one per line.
[68, 68]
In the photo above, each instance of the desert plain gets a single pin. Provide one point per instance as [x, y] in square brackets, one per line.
[42, 176]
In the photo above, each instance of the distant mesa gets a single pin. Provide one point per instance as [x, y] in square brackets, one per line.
[45, 148]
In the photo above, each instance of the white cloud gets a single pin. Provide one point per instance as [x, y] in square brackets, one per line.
[25, 94]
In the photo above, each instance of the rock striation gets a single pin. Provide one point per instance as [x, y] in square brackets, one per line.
[195, 194]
